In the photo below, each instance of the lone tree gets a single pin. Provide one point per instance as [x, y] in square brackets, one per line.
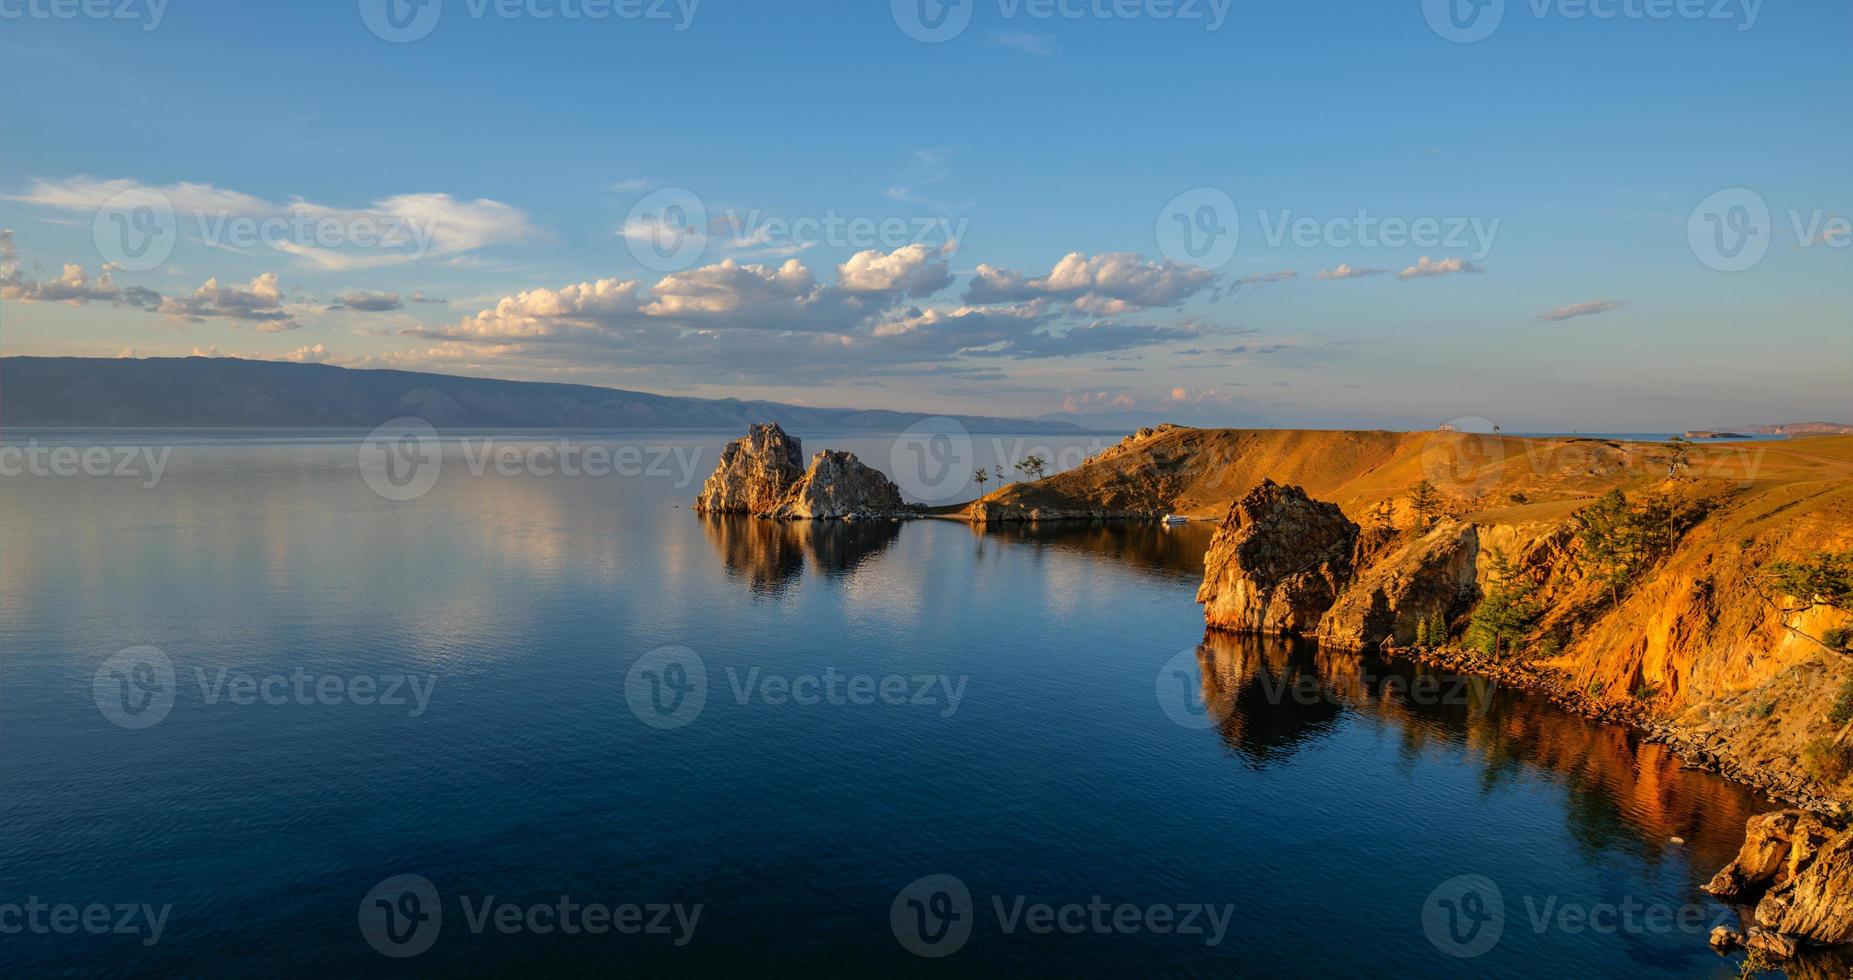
[1426, 503]
[1033, 467]
[1613, 544]
[1679, 456]
[1507, 612]
[981, 476]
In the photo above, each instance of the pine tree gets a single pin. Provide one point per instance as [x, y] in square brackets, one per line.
[1506, 613]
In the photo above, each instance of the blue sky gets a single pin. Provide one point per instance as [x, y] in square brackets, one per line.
[522, 167]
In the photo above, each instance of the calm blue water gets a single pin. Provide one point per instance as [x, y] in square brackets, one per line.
[1318, 806]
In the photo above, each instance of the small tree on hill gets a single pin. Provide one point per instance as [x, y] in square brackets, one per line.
[1033, 467]
[981, 476]
[1426, 502]
[1507, 612]
[1679, 457]
[1613, 545]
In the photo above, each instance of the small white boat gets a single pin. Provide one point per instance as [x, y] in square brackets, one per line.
[1172, 519]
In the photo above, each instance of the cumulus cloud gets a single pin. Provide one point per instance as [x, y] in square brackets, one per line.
[1425, 268]
[258, 302]
[1347, 272]
[389, 231]
[1100, 285]
[75, 287]
[1589, 308]
[316, 354]
[913, 271]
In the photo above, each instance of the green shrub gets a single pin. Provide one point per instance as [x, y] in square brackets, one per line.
[1843, 706]
[1829, 761]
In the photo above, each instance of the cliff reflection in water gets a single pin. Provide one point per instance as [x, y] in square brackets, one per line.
[1165, 552]
[1273, 695]
[771, 555]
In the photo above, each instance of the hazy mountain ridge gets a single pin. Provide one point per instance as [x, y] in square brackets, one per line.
[202, 391]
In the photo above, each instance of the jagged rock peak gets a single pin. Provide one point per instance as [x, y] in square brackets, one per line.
[1277, 563]
[838, 486]
[755, 474]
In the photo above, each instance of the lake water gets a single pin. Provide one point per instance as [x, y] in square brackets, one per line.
[601, 696]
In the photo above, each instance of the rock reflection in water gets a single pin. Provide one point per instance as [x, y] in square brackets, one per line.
[1273, 695]
[771, 555]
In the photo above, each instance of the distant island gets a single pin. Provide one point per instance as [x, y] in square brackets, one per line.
[232, 392]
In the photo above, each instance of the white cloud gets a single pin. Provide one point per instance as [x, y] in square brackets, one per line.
[389, 231]
[1589, 308]
[1040, 45]
[1347, 272]
[1426, 268]
[258, 302]
[1100, 285]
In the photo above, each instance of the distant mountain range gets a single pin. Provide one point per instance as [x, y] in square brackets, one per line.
[232, 392]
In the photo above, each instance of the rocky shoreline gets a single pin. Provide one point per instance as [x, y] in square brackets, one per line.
[1699, 750]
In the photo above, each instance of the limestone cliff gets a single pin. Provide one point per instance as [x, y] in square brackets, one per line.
[1414, 579]
[1799, 871]
[1277, 563]
[755, 473]
[838, 486]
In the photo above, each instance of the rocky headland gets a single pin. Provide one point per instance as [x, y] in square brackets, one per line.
[764, 475]
[1696, 593]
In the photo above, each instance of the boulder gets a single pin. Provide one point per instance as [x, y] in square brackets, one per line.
[755, 473]
[838, 486]
[1277, 563]
[1803, 870]
[1422, 579]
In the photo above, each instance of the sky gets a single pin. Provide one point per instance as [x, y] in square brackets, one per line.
[1551, 215]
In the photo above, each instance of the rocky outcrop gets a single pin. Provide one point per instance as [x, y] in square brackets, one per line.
[1277, 563]
[1427, 578]
[838, 486]
[1803, 870]
[755, 474]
